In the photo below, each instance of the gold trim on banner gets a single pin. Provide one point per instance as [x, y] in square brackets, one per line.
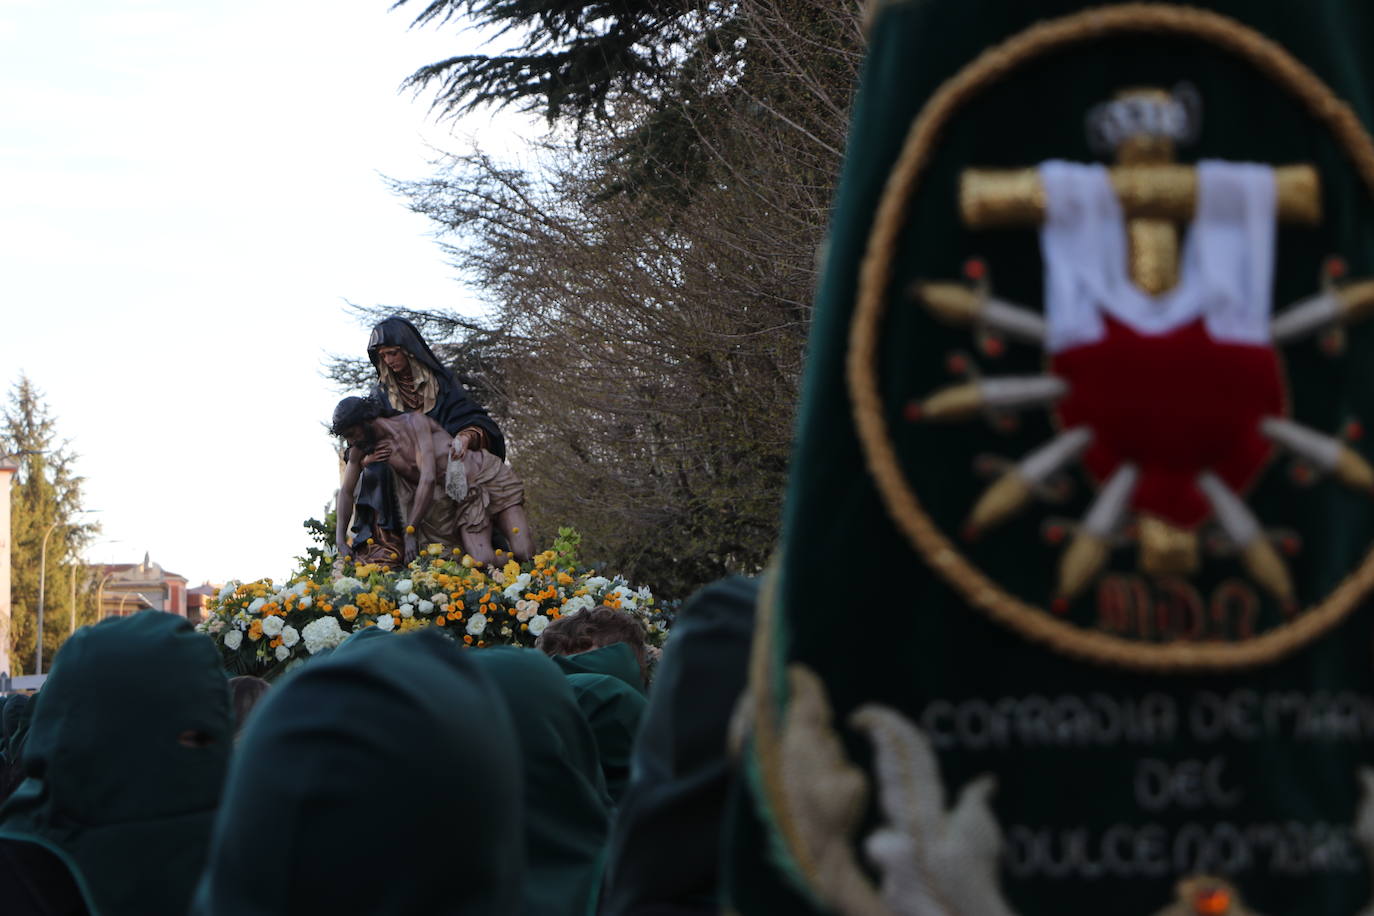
[876, 276]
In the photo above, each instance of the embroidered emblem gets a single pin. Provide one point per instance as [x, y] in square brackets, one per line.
[1163, 372]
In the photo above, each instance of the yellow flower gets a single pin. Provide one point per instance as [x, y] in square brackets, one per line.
[435, 549]
[255, 630]
[347, 612]
[565, 579]
[410, 529]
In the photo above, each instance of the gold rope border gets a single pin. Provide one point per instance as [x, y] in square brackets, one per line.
[876, 275]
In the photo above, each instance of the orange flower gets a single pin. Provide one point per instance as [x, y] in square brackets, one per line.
[347, 612]
[276, 641]
[467, 639]
[440, 620]
[481, 643]
[255, 630]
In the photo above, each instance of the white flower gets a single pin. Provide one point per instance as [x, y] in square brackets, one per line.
[229, 588]
[645, 594]
[404, 586]
[576, 604]
[477, 624]
[233, 639]
[215, 625]
[305, 602]
[524, 610]
[290, 636]
[282, 653]
[407, 610]
[516, 588]
[538, 623]
[439, 597]
[385, 623]
[271, 626]
[299, 588]
[597, 582]
[498, 576]
[347, 586]
[425, 607]
[505, 631]
[256, 605]
[322, 633]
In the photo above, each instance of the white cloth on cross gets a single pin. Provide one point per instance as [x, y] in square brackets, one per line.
[1225, 273]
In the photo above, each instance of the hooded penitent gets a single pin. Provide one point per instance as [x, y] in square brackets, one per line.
[613, 709]
[664, 850]
[616, 660]
[565, 796]
[10, 715]
[1080, 501]
[125, 760]
[383, 779]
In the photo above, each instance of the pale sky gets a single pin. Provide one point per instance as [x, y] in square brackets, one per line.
[189, 190]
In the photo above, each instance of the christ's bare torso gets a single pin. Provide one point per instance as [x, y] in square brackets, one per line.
[401, 434]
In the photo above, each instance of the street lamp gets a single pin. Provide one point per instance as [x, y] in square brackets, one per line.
[42, 586]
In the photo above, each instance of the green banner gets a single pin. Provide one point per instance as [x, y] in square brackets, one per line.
[1081, 499]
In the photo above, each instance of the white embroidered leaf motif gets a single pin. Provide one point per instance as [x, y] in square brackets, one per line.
[826, 796]
[934, 863]
[1364, 824]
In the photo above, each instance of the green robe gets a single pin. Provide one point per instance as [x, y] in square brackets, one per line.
[111, 788]
[664, 847]
[613, 710]
[383, 779]
[566, 806]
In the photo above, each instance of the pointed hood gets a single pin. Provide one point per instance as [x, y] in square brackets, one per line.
[566, 819]
[124, 762]
[383, 779]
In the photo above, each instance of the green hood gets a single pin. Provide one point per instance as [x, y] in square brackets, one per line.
[383, 779]
[14, 714]
[665, 842]
[109, 786]
[617, 660]
[565, 795]
[613, 709]
[361, 638]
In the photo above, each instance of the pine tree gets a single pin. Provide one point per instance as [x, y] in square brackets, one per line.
[45, 501]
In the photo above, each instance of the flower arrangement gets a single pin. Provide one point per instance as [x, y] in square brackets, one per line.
[263, 629]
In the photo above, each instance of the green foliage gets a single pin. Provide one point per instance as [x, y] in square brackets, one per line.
[570, 57]
[45, 502]
[565, 547]
[317, 562]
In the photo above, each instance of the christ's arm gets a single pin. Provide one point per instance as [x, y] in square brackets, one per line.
[418, 427]
[345, 501]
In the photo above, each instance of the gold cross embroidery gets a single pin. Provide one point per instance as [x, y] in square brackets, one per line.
[1156, 193]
